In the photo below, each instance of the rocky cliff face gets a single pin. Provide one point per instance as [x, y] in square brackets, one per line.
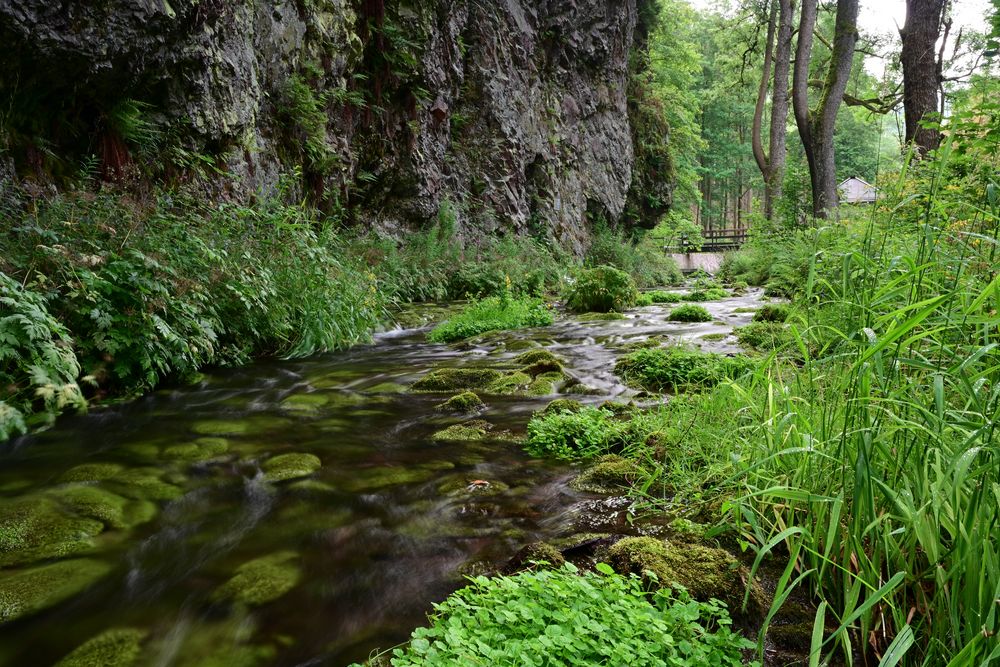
[515, 111]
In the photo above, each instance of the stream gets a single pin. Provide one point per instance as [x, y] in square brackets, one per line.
[157, 503]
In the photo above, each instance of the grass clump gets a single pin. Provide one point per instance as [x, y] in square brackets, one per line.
[706, 294]
[564, 617]
[763, 336]
[660, 296]
[603, 289]
[562, 434]
[773, 312]
[674, 368]
[492, 314]
[689, 313]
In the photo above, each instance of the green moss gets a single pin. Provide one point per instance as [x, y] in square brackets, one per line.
[764, 336]
[689, 313]
[290, 466]
[470, 486]
[533, 556]
[110, 509]
[370, 479]
[143, 484]
[544, 367]
[199, 450]
[609, 474]
[386, 388]
[510, 384]
[706, 572]
[600, 317]
[119, 647]
[224, 644]
[465, 403]
[707, 294]
[34, 528]
[26, 592]
[536, 356]
[476, 429]
[773, 312]
[306, 403]
[220, 427]
[455, 379]
[262, 580]
[91, 472]
[562, 405]
[714, 337]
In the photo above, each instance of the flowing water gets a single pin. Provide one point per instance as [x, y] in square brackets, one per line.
[389, 523]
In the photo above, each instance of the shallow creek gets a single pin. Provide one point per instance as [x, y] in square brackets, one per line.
[387, 525]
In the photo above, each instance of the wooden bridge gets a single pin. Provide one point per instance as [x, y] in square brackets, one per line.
[709, 257]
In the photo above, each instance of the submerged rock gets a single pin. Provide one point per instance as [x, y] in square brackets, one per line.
[477, 429]
[262, 580]
[26, 592]
[91, 472]
[109, 508]
[706, 572]
[35, 528]
[199, 450]
[533, 556]
[469, 486]
[290, 466]
[144, 484]
[454, 379]
[307, 403]
[374, 478]
[220, 427]
[465, 403]
[119, 647]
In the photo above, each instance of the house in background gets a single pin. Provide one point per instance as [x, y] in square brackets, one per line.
[856, 190]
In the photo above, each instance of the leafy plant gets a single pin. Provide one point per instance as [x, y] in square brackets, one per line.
[689, 313]
[602, 290]
[668, 369]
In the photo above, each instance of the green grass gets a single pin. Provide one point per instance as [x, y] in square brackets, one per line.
[689, 313]
[492, 314]
[674, 368]
[568, 617]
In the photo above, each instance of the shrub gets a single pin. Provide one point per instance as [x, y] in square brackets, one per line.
[602, 290]
[689, 313]
[665, 369]
[642, 259]
[562, 617]
[492, 314]
[660, 296]
[562, 434]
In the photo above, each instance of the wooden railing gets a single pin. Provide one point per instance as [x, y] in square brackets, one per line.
[715, 240]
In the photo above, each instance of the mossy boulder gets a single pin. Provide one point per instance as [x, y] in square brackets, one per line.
[25, 592]
[34, 528]
[469, 486]
[562, 405]
[510, 384]
[706, 572]
[91, 472]
[199, 450]
[262, 580]
[536, 356]
[118, 647]
[109, 508]
[305, 403]
[533, 556]
[477, 429]
[380, 477]
[293, 465]
[143, 484]
[221, 427]
[467, 402]
[457, 379]
[609, 474]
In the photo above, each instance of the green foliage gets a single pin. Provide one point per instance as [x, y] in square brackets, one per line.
[707, 294]
[602, 290]
[764, 336]
[566, 617]
[689, 313]
[642, 259]
[492, 314]
[571, 435]
[664, 297]
[772, 312]
[670, 369]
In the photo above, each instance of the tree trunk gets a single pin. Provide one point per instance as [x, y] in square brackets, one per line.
[779, 107]
[816, 127]
[920, 71]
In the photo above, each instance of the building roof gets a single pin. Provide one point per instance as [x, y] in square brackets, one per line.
[855, 190]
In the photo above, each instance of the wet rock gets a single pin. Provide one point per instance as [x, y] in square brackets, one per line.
[477, 429]
[706, 572]
[25, 592]
[470, 486]
[533, 556]
[374, 478]
[294, 465]
[609, 474]
[199, 450]
[220, 427]
[467, 402]
[305, 403]
[35, 528]
[119, 647]
[261, 580]
[386, 388]
[109, 508]
[91, 472]
[510, 384]
[455, 379]
[143, 484]
[537, 356]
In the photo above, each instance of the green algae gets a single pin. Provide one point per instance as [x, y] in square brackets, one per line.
[144, 484]
[25, 592]
[290, 466]
[221, 427]
[118, 647]
[261, 580]
[91, 472]
[199, 450]
[456, 379]
[386, 388]
[307, 403]
[112, 510]
[465, 403]
[35, 528]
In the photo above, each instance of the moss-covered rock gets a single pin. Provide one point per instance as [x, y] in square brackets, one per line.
[109, 508]
[510, 384]
[773, 312]
[543, 368]
[143, 484]
[464, 485]
[714, 337]
[118, 647]
[456, 379]
[602, 317]
[562, 405]
[305, 403]
[293, 465]
[477, 429]
[262, 580]
[25, 592]
[536, 356]
[35, 528]
[467, 402]
[533, 556]
[706, 572]
[220, 427]
[199, 450]
[91, 472]
[609, 474]
[380, 477]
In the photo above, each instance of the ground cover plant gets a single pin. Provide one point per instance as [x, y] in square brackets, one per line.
[569, 617]
[673, 368]
[689, 313]
[603, 289]
[492, 314]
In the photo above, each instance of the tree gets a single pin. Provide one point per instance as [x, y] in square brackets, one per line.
[921, 71]
[772, 167]
[816, 126]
